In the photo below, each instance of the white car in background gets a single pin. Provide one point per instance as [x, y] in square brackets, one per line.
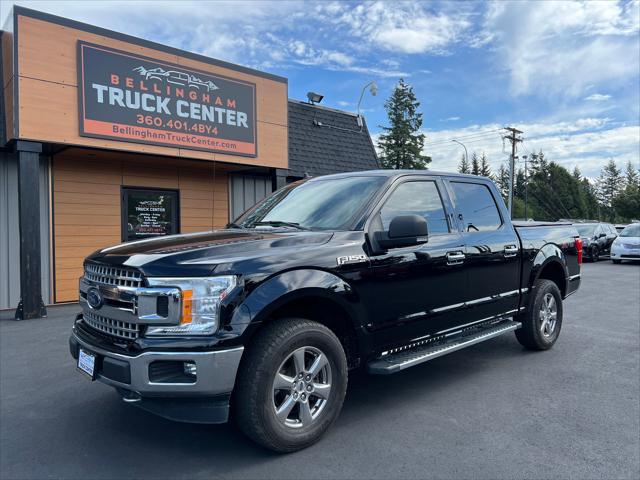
[627, 245]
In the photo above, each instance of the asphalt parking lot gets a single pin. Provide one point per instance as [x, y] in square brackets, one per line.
[490, 411]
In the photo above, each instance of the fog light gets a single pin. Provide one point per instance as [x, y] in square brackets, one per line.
[190, 369]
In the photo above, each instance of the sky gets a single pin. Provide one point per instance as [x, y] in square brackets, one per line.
[566, 73]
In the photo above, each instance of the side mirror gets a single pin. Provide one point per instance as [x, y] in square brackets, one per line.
[404, 231]
[602, 235]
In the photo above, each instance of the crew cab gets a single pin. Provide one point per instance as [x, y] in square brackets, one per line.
[379, 270]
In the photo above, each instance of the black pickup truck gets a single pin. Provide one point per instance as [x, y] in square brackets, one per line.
[381, 270]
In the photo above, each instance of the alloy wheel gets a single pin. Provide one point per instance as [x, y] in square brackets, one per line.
[301, 387]
[548, 315]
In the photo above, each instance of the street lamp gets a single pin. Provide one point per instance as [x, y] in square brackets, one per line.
[373, 88]
[466, 156]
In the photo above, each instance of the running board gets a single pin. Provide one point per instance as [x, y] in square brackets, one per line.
[396, 362]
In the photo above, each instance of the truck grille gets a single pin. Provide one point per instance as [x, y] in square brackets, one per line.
[115, 328]
[121, 277]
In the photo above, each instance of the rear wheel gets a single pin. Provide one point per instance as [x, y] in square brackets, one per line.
[292, 385]
[542, 321]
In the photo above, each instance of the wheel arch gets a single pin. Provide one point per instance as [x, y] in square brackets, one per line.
[549, 264]
[315, 295]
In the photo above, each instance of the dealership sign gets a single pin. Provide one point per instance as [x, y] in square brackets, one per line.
[131, 98]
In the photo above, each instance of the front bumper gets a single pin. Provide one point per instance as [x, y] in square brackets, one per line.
[179, 400]
[618, 252]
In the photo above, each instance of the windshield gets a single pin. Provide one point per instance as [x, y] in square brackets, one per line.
[329, 204]
[632, 230]
[586, 230]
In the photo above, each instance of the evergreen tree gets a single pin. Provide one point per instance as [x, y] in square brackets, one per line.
[475, 164]
[502, 180]
[463, 166]
[401, 143]
[627, 203]
[519, 184]
[485, 169]
[609, 184]
[577, 174]
[631, 176]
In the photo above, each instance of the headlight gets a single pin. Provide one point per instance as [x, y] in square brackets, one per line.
[201, 300]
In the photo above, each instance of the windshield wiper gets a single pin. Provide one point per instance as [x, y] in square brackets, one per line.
[233, 225]
[280, 223]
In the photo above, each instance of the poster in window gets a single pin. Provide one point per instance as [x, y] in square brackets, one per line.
[150, 213]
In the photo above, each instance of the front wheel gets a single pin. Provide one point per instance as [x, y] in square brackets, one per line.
[542, 320]
[595, 254]
[291, 385]
[617, 262]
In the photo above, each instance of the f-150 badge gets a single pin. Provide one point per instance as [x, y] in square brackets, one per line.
[351, 259]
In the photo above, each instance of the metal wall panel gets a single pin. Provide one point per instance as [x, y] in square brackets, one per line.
[9, 239]
[245, 192]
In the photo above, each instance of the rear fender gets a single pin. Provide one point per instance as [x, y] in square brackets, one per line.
[549, 256]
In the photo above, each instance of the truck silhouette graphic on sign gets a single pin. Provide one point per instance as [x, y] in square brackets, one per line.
[176, 77]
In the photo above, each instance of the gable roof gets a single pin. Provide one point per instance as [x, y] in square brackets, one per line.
[323, 141]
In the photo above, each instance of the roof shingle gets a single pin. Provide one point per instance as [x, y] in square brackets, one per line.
[323, 141]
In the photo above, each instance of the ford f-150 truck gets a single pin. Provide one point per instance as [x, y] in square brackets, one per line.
[380, 270]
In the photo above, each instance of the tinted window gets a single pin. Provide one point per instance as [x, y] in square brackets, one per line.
[416, 198]
[477, 206]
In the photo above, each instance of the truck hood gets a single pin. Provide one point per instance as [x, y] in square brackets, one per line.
[198, 254]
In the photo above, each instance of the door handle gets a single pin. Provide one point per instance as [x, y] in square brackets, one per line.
[455, 258]
[510, 250]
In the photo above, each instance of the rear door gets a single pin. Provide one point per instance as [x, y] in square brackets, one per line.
[493, 254]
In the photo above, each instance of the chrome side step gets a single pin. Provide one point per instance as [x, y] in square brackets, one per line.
[396, 362]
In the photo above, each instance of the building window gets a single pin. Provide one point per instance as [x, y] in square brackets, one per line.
[148, 213]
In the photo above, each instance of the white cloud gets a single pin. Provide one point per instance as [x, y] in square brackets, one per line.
[563, 47]
[597, 97]
[450, 119]
[260, 34]
[588, 143]
[405, 27]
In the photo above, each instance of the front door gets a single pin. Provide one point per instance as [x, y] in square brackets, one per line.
[493, 250]
[415, 291]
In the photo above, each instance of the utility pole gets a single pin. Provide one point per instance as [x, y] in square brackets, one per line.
[514, 141]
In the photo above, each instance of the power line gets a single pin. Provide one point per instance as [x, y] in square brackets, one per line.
[464, 137]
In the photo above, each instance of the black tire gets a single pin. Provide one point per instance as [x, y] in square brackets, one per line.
[595, 254]
[531, 335]
[617, 262]
[255, 400]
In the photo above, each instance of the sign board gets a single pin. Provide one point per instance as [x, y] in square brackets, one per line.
[149, 213]
[131, 98]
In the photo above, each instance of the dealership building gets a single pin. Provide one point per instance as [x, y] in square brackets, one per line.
[106, 138]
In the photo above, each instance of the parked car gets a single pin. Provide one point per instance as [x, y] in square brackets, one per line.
[383, 270]
[597, 238]
[620, 227]
[627, 245]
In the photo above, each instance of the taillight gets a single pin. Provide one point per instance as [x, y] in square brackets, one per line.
[579, 249]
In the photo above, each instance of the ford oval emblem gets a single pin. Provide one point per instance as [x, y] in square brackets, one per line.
[94, 298]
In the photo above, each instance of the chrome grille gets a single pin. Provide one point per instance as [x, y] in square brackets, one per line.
[117, 276]
[115, 328]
